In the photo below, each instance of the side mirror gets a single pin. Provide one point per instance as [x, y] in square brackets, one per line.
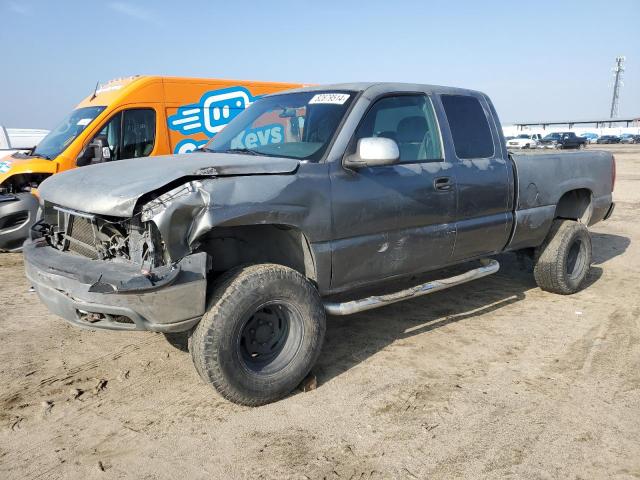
[96, 152]
[373, 152]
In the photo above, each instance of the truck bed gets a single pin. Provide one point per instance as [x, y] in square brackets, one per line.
[542, 182]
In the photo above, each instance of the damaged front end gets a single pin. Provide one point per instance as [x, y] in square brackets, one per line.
[102, 238]
[106, 272]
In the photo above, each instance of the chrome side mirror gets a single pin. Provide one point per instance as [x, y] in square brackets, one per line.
[373, 152]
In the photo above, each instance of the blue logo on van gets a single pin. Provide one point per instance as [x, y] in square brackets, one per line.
[258, 137]
[188, 145]
[211, 114]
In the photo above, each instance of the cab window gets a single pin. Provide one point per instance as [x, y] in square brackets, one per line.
[410, 121]
[469, 126]
[128, 134]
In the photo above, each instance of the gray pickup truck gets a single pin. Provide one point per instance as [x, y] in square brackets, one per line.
[303, 205]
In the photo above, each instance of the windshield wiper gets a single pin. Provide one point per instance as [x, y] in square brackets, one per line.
[247, 151]
[39, 155]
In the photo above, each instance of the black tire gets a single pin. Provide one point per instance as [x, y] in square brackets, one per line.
[179, 340]
[563, 261]
[261, 335]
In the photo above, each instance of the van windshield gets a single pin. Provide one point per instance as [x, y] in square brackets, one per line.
[292, 125]
[66, 132]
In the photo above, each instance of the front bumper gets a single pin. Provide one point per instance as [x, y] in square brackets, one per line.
[117, 296]
[17, 214]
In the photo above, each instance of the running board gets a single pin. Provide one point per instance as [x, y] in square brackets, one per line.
[489, 266]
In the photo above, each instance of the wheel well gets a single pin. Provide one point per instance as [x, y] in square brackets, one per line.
[23, 182]
[575, 205]
[281, 244]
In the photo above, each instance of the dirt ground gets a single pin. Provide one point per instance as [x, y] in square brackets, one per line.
[493, 379]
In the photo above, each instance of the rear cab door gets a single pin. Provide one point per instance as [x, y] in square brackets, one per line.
[483, 171]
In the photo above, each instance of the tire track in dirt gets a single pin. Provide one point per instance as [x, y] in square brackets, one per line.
[28, 388]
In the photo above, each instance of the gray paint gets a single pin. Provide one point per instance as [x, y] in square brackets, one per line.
[362, 226]
[113, 188]
[26, 204]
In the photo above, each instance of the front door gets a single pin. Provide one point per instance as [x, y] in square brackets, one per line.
[398, 219]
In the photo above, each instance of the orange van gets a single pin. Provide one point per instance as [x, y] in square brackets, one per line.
[125, 118]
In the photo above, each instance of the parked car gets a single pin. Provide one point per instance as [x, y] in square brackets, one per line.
[247, 245]
[562, 140]
[524, 140]
[629, 138]
[591, 137]
[125, 118]
[509, 138]
[608, 139]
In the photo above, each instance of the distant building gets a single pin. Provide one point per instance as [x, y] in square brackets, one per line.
[601, 126]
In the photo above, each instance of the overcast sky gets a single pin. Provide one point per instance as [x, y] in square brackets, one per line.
[540, 60]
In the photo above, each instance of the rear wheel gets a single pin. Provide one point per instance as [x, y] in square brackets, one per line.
[563, 261]
[261, 336]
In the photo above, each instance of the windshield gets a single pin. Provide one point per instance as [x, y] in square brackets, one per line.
[524, 136]
[552, 136]
[66, 132]
[292, 125]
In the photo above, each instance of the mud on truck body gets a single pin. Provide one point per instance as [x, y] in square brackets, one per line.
[303, 202]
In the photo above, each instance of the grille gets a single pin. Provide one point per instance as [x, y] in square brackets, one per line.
[81, 237]
[97, 238]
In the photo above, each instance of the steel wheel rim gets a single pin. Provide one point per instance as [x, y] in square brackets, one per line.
[576, 259]
[270, 337]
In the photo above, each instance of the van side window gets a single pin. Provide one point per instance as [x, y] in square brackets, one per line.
[138, 132]
[410, 121]
[110, 136]
[469, 126]
[129, 134]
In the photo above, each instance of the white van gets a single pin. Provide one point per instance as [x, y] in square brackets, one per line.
[19, 139]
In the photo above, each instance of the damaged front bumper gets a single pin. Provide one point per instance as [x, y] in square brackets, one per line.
[118, 296]
[17, 213]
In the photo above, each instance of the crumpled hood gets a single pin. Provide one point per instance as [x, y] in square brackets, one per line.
[114, 188]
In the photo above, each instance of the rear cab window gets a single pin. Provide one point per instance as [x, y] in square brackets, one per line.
[469, 126]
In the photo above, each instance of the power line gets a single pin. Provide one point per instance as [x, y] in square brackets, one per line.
[618, 72]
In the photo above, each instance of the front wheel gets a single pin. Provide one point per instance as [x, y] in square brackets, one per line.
[563, 261]
[261, 335]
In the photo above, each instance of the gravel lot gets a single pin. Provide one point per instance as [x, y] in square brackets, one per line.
[492, 379]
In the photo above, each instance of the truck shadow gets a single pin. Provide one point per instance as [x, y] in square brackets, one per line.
[350, 340]
[607, 246]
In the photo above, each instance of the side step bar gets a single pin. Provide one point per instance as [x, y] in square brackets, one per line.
[489, 266]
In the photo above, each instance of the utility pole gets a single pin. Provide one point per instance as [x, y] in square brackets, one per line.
[618, 72]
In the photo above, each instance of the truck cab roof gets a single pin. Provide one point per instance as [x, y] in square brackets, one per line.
[376, 88]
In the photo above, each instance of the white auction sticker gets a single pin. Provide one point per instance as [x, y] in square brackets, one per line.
[334, 98]
[83, 122]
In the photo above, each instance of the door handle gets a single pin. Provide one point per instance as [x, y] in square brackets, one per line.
[443, 184]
